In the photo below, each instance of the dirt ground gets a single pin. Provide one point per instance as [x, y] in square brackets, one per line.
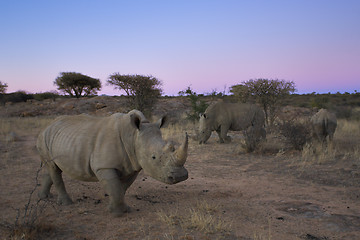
[229, 195]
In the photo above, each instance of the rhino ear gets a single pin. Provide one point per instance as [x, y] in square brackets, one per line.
[162, 121]
[135, 121]
[202, 115]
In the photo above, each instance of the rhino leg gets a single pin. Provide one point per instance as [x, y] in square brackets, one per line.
[223, 137]
[116, 189]
[219, 134]
[56, 178]
[130, 180]
[46, 184]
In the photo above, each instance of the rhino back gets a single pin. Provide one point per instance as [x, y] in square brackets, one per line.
[324, 122]
[79, 145]
[323, 115]
[237, 115]
[245, 115]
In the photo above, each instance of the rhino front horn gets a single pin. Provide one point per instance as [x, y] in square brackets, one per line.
[181, 152]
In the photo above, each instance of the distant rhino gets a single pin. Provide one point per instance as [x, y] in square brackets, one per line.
[112, 150]
[222, 117]
[323, 124]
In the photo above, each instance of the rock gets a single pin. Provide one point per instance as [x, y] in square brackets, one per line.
[100, 105]
[12, 137]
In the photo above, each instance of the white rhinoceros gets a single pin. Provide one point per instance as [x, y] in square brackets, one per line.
[222, 117]
[111, 150]
[323, 124]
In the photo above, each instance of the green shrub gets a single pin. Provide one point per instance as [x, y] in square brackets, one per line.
[46, 95]
[343, 112]
[197, 105]
[19, 96]
[320, 102]
[295, 133]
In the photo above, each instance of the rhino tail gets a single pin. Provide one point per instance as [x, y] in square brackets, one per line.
[325, 126]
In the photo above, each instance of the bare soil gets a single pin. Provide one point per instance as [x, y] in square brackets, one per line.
[235, 195]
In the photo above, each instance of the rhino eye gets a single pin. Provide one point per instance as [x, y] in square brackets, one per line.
[153, 157]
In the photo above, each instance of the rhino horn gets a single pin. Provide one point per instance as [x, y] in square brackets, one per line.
[181, 152]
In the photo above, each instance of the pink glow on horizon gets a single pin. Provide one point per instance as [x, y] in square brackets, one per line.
[208, 45]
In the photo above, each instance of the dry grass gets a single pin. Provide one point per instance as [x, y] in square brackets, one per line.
[264, 234]
[176, 132]
[30, 223]
[202, 217]
[347, 138]
[170, 218]
[347, 133]
[347, 127]
[205, 218]
[12, 133]
[346, 144]
[316, 153]
[23, 126]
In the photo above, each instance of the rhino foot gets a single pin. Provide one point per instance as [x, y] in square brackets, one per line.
[226, 140]
[120, 210]
[43, 196]
[64, 200]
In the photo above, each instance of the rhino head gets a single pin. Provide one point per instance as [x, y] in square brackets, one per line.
[158, 158]
[204, 128]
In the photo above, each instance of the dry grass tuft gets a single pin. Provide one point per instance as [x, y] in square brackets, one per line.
[347, 127]
[356, 154]
[170, 218]
[30, 233]
[347, 136]
[346, 144]
[176, 132]
[317, 153]
[263, 234]
[29, 223]
[201, 217]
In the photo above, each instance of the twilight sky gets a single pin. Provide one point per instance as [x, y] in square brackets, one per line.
[206, 44]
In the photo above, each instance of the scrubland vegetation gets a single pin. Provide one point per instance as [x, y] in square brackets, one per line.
[219, 201]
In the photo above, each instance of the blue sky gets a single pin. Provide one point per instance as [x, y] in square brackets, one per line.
[208, 45]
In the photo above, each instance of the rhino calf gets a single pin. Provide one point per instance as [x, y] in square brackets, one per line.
[222, 117]
[112, 150]
[323, 124]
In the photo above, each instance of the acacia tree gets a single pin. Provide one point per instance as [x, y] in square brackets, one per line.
[143, 91]
[77, 84]
[266, 92]
[3, 87]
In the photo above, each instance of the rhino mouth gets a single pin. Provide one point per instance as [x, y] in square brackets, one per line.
[177, 177]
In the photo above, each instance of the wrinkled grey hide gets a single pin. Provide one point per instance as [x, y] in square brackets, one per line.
[111, 150]
[323, 124]
[222, 117]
